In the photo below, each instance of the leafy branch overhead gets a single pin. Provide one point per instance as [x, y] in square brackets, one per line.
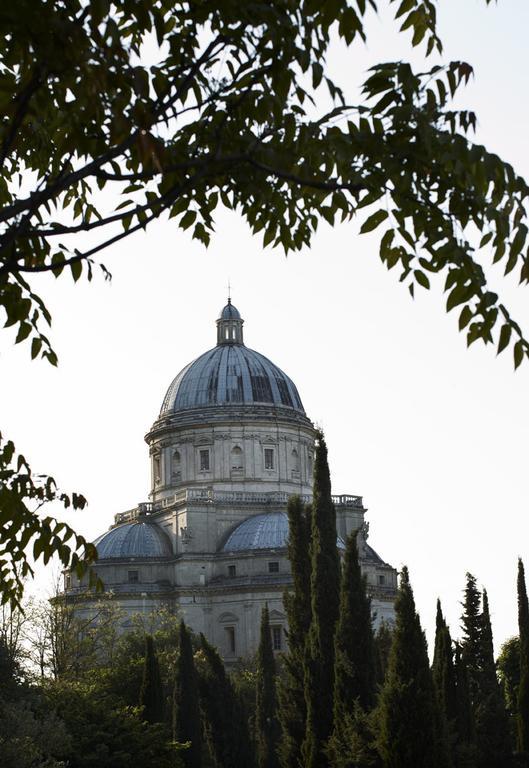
[239, 110]
[229, 114]
[22, 529]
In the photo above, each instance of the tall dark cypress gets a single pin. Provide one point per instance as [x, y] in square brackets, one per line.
[354, 656]
[291, 687]
[187, 725]
[443, 668]
[523, 688]
[465, 745]
[383, 641]
[471, 643]
[325, 595]
[225, 726]
[444, 680]
[494, 749]
[408, 722]
[266, 725]
[151, 692]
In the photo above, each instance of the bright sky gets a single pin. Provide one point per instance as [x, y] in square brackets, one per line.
[433, 436]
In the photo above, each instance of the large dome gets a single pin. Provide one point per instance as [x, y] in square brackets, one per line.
[138, 539]
[231, 374]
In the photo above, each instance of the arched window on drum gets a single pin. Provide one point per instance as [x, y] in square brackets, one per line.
[176, 465]
[237, 460]
[294, 464]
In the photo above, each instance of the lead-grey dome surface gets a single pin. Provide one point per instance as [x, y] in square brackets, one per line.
[230, 312]
[266, 531]
[138, 539]
[231, 374]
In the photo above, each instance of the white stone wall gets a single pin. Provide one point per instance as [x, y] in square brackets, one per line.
[236, 458]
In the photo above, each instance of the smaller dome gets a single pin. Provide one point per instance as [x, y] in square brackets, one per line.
[230, 312]
[266, 531]
[138, 539]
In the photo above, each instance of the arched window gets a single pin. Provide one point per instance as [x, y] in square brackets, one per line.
[176, 462]
[156, 467]
[295, 460]
[236, 458]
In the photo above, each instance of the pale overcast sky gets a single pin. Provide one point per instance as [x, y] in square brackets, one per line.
[433, 436]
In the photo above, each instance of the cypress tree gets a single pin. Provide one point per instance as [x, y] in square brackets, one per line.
[408, 721]
[383, 641]
[354, 658]
[492, 725]
[471, 643]
[325, 589]
[187, 726]
[266, 726]
[151, 692]
[291, 692]
[225, 727]
[465, 746]
[443, 668]
[443, 675]
[523, 688]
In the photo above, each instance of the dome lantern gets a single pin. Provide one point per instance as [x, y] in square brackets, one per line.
[229, 326]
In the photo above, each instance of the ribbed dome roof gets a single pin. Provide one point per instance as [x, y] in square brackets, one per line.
[137, 539]
[230, 312]
[266, 531]
[231, 374]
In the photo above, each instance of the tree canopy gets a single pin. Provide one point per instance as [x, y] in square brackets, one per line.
[115, 114]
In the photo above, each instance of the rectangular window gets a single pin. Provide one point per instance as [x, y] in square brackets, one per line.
[230, 639]
[232, 571]
[134, 577]
[204, 460]
[381, 580]
[273, 567]
[269, 458]
[276, 638]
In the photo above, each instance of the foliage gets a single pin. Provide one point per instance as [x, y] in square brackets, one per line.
[225, 722]
[151, 693]
[471, 642]
[383, 640]
[32, 735]
[324, 589]
[508, 665]
[444, 678]
[187, 725]
[266, 725]
[291, 693]
[488, 708]
[465, 746]
[408, 721]
[354, 659]
[523, 688]
[238, 110]
[22, 494]
[107, 734]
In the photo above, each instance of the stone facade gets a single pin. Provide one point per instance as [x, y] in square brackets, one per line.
[231, 444]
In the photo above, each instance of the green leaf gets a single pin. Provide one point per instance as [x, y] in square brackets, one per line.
[505, 337]
[518, 354]
[373, 221]
[465, 317]
[187, 219]
[23, 332]
[77, 268]
[421, 279]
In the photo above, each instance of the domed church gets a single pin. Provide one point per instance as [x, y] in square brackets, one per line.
[231, 444]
